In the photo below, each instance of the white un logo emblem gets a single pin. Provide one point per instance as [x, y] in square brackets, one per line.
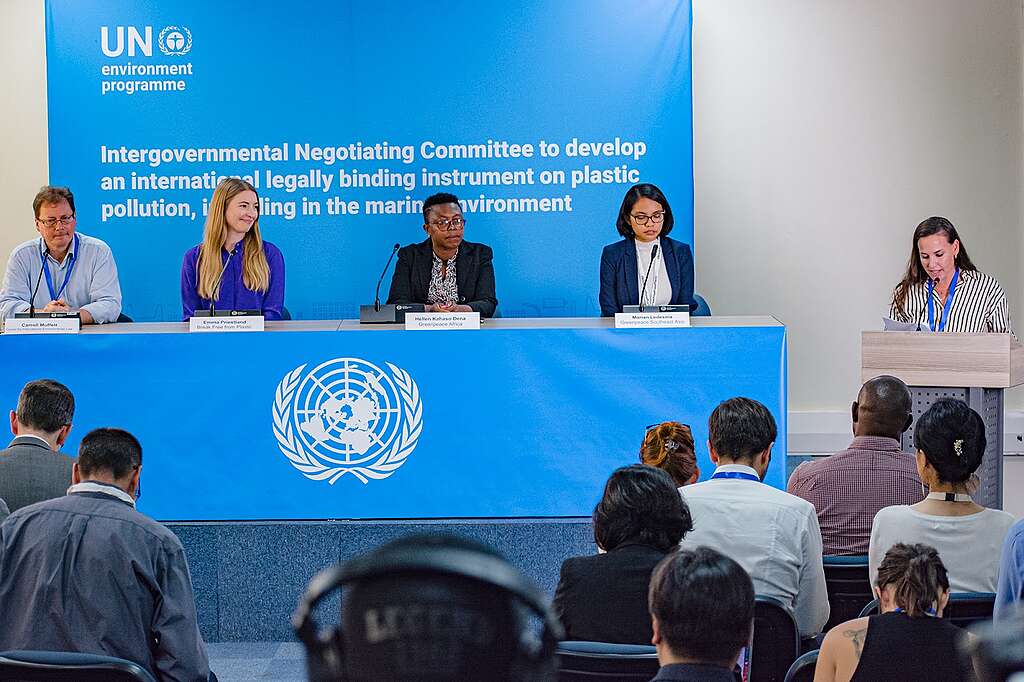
[175, 40]
[347, 416]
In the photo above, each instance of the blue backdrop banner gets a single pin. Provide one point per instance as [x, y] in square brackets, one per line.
[345, 115]
[382, 423]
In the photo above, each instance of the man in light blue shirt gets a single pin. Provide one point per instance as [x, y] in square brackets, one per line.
[79, 272]
[1010, 590]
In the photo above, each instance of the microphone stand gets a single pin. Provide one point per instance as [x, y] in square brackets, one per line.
[654, 255]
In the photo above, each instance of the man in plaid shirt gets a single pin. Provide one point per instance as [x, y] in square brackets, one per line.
[848, 488]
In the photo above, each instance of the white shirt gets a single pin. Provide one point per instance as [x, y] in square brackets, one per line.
[659, 288]
[770, 533]
[969, 546]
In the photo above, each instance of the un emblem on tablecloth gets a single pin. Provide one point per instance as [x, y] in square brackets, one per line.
[347, 416]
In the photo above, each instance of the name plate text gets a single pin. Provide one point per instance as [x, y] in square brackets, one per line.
[42, 325]
[427, 321]
[235, 323]
[651, 320]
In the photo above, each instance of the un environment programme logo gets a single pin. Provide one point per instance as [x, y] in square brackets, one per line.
[347, 416]
[175, 40]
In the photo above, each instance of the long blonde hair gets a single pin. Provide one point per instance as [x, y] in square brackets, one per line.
[255, 270]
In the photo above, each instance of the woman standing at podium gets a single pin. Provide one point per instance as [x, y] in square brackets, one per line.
[645, 262]
[233, 266]
[942, 290]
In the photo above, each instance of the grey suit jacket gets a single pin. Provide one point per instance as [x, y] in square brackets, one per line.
[30, 472]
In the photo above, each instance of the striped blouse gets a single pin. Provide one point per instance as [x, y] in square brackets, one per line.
[979, 305]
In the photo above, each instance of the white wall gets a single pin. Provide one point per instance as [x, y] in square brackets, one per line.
[824, 132]
[23, 148]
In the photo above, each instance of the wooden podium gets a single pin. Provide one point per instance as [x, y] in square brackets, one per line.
[975, 368]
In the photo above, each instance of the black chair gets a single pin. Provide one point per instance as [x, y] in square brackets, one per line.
[849, 588]
[285, 315]
[802, 669]
[605, 661]
[123, 318]
[964, 608]
[65, 666]
[776, 640]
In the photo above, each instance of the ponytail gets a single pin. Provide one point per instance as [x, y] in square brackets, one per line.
[669, 446]
[917, 575]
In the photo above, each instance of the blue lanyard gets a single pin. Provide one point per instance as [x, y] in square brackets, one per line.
[736, 474]
[945, 308]
[67, 276]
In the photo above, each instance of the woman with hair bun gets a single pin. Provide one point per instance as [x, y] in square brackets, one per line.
[669, 446]
[950, 439]
[908, 640]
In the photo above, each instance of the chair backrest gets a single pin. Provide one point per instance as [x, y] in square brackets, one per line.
[776, 640]
[802, 669]
[702, 309]
[605, 661]
[64, 666]
[963, 609]
[849, 588]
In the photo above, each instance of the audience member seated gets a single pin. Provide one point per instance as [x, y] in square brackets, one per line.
[32, 468]
[950, 440]
[1010, 591]
[772, 534]
[429, 607]
[848, 488]
[640, 518]
[88, 573]
[908, 640]
[669, 446]
[702, 613]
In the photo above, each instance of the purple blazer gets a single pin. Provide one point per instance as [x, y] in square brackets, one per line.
[233, 293]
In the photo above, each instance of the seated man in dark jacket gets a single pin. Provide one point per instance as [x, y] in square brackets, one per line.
[640, 519]
[88, 573]
[444, 272]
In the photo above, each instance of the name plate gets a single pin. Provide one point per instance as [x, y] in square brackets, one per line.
[234, 323]
[423, 321]
[43, 325]
[651, 320]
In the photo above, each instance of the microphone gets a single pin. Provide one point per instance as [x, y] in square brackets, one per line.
[32, 298]
[376, 293]
[654, 255]
[220, 277]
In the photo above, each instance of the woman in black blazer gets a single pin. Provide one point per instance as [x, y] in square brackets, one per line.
[423, 272]
[645, 219]
[640, 519]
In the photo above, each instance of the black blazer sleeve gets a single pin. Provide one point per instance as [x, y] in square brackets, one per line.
[608, 296]
[566, 597]
[401, 280]
[686, 275]
[484, 299]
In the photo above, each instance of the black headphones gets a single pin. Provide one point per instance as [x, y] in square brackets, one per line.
[325, 651]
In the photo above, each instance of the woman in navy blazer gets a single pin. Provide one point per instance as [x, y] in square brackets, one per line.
[645, 219]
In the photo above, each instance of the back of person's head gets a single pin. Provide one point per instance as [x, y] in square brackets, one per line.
[641, 505]
[112, 451]
[740, 429]
[430, 608]
[45, 405]
[916, 576]
[883, 407]
[703, 604]
[952, 437]
[669, 446]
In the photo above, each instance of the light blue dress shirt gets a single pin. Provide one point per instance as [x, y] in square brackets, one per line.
[93, 285]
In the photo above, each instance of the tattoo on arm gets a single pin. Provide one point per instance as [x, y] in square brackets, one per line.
[857, 637]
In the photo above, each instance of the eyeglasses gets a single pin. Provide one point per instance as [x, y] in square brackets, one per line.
[64, 220]
[449, 224]
[643, 218]
[654, 426]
